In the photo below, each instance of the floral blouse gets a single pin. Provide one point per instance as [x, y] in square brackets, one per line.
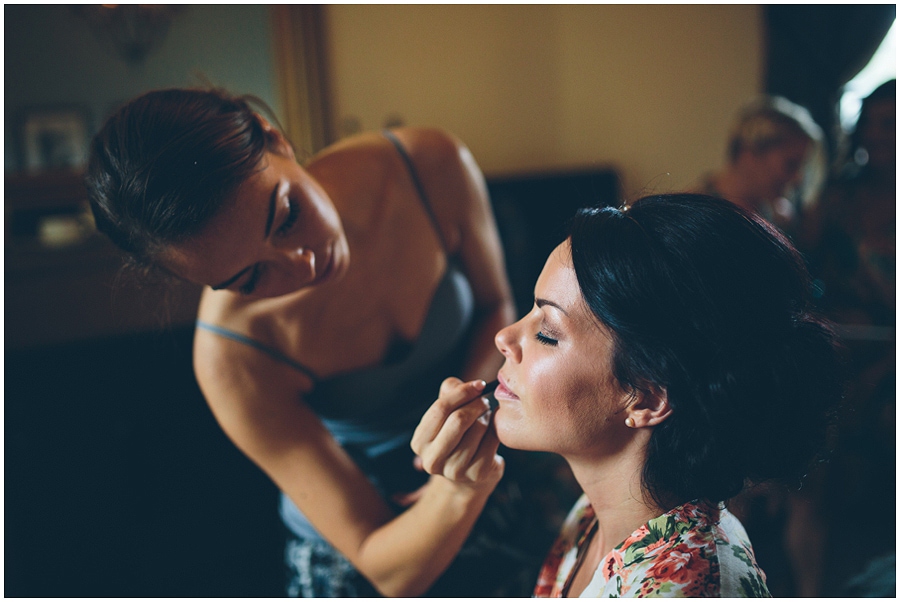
[694, 550]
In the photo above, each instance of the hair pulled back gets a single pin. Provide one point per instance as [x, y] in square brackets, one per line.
[708, 302]
[769, 121]
[162, 166]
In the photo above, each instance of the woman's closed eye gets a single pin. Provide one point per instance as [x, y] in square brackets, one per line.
[291, 219]
[545, 340]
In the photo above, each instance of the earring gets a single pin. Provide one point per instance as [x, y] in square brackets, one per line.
[629, 422]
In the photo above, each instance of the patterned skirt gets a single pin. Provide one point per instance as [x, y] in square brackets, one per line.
[501, 557]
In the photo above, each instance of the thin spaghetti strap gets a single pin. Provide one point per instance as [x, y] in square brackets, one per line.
[273, 353]
[417, 183]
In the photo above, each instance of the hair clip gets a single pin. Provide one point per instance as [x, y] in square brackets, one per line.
[624, 207]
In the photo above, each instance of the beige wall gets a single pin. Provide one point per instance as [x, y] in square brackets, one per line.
[649, 89]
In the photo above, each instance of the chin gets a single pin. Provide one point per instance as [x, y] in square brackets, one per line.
[502, 430]
[511, 436]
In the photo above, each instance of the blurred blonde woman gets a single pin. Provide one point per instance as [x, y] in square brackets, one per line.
[775, 163]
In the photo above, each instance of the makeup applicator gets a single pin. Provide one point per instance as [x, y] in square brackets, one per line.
[488, 392]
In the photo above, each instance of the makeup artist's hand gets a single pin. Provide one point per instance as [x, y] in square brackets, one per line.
[455, 438]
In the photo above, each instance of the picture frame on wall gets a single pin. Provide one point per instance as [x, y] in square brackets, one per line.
[54, 138]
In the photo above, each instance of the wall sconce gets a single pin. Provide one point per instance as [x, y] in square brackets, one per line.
[131, 31]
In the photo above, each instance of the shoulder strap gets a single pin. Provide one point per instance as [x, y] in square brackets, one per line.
[417, 183]
[273, 353]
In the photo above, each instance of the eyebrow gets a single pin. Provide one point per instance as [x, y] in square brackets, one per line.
[543, 302]
[270, 219]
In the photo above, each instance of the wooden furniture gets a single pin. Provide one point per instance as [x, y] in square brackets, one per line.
[59, 291]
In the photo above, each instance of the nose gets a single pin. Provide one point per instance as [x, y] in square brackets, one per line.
[507, 342]
[297, 259]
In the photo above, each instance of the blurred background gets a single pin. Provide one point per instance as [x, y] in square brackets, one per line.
[117, 480]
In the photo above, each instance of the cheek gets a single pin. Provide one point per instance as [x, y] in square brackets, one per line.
[566, 407]
[591, 407]
[528, 422]
[550, 382]
[324, 212]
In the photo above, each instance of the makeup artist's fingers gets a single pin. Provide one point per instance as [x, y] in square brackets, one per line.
[459, 464]
[487, 465]
[453, 394]
[447, 441]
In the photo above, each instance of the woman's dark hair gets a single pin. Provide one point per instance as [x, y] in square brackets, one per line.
[163, 164]
[886, 91]
[709, 303]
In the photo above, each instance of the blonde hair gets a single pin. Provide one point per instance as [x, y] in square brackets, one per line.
[770, 121]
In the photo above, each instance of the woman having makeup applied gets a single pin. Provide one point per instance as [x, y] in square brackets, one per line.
[339, 293]
[671, 358]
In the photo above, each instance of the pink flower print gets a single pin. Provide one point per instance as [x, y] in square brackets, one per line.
[680, 564]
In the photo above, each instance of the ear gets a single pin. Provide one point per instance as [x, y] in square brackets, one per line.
[649, 409]
[278, 143]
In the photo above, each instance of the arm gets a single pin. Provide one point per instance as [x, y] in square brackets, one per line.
[257, 402]
[459, 196]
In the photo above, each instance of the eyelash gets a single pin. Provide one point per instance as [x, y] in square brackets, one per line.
[250, 285]
[545, 340]
[293, 213]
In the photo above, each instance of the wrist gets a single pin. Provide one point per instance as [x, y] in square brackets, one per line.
[464, 491]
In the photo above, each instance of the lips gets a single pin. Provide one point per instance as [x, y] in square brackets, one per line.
[503, 391]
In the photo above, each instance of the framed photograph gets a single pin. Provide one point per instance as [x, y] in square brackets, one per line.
[54, 138]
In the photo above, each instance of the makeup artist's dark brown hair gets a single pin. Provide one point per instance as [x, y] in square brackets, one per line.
[163, 165]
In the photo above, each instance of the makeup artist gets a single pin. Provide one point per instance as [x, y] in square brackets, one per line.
[339, 293]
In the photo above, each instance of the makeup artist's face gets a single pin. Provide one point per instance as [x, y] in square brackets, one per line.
[280, 233]
[557, 392]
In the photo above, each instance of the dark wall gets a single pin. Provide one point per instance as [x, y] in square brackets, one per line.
[54, 58]
[532, 212]
[118, 482]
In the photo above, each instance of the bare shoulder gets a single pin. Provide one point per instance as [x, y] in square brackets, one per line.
[442, 160]
[450, 176]
[226, 367]
[428, 147]
[431, 147]
[359, 167]
[238, 380]
[359, 153]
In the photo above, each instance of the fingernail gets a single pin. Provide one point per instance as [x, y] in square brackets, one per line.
[479, 384]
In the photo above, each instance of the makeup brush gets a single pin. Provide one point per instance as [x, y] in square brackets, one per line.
[488, 392]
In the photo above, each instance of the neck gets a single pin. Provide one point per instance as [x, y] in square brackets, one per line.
[613, 487]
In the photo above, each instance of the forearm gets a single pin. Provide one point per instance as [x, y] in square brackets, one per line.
[405, 556]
